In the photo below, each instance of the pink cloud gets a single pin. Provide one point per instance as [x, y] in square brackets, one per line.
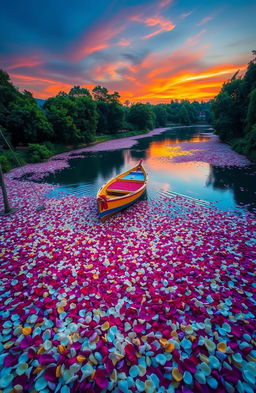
[96, 39]
[155, 21]
[186, 14]
[123, 42]
[193, 40]
[164, 3]
[204, 21]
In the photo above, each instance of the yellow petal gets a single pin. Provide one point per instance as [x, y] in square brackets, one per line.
[170, 347]
[61, 348]
[174, 334]
[37, 370]
[58, 369]
[222, 347]
[163, 342]
[26, 330]
[80, 358]
[177, 376]
[40, 350]
[105, 326]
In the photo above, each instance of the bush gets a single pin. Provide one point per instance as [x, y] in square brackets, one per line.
[5, 163]
[38, 153]
[8, 161]
[247, 145]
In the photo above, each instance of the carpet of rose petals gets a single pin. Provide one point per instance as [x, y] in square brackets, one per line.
[160, 298]
[212, 151]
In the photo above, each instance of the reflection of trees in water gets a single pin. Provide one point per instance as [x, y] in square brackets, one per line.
[240, 180]
[89, 168]
[103, 165]
[138, 154]
[141, 149]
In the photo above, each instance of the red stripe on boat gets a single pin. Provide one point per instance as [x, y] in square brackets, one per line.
[125, 186]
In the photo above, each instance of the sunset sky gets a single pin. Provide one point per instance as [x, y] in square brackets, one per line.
[148, 51]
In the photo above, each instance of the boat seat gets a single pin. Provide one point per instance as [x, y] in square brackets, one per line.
[120, 185]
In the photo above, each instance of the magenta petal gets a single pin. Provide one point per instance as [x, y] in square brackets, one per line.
[100, 378]
[10, 360]
[26, 342]
[130, 351]
[45, 359]
[138, 328]
[31, 353]
[50, 374]
[37, 340]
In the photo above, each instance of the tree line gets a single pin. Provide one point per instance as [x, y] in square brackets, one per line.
[234, 110]
[78, 116]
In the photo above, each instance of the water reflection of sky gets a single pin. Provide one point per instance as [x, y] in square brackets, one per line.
[193, 179]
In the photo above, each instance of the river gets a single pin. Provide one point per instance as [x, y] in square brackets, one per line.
[228, 187]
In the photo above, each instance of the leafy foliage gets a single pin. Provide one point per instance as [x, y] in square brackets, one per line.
[73, 118]
[38, 152]
[101, 94]
[161, 115]
[234, 111]
[142, 116]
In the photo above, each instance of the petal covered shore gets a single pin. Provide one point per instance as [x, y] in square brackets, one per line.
[161, 298]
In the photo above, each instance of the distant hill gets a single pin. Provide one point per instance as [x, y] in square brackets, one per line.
[40, 102]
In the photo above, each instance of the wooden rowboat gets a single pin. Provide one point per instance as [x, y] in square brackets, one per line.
[121, 191]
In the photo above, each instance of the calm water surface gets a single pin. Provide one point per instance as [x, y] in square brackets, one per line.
[228, 187]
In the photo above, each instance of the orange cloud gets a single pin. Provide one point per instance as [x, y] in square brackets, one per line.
[184, 84]
[42, 87]
[163, 24]
[23, 63]
[151, 81]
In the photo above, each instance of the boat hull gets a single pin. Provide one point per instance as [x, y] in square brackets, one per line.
[115, 206]
[121, 192]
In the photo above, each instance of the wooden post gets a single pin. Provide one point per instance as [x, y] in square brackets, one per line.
[7, 208]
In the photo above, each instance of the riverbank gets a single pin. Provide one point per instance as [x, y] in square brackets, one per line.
[24, 156]
[160, 298]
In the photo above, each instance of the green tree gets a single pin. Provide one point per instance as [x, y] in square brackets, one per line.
[103, 115]
[111, 117]
[78, 91]
[251, 113]
[58, 111]
[183, 115]
[114, 98]
[161, 115]
[235, 111]
[85, 117]
[100, 94]
[26, 122]
[227, 107]
[115, 117]
[141, 116]
[8, 95]
[73, 118]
